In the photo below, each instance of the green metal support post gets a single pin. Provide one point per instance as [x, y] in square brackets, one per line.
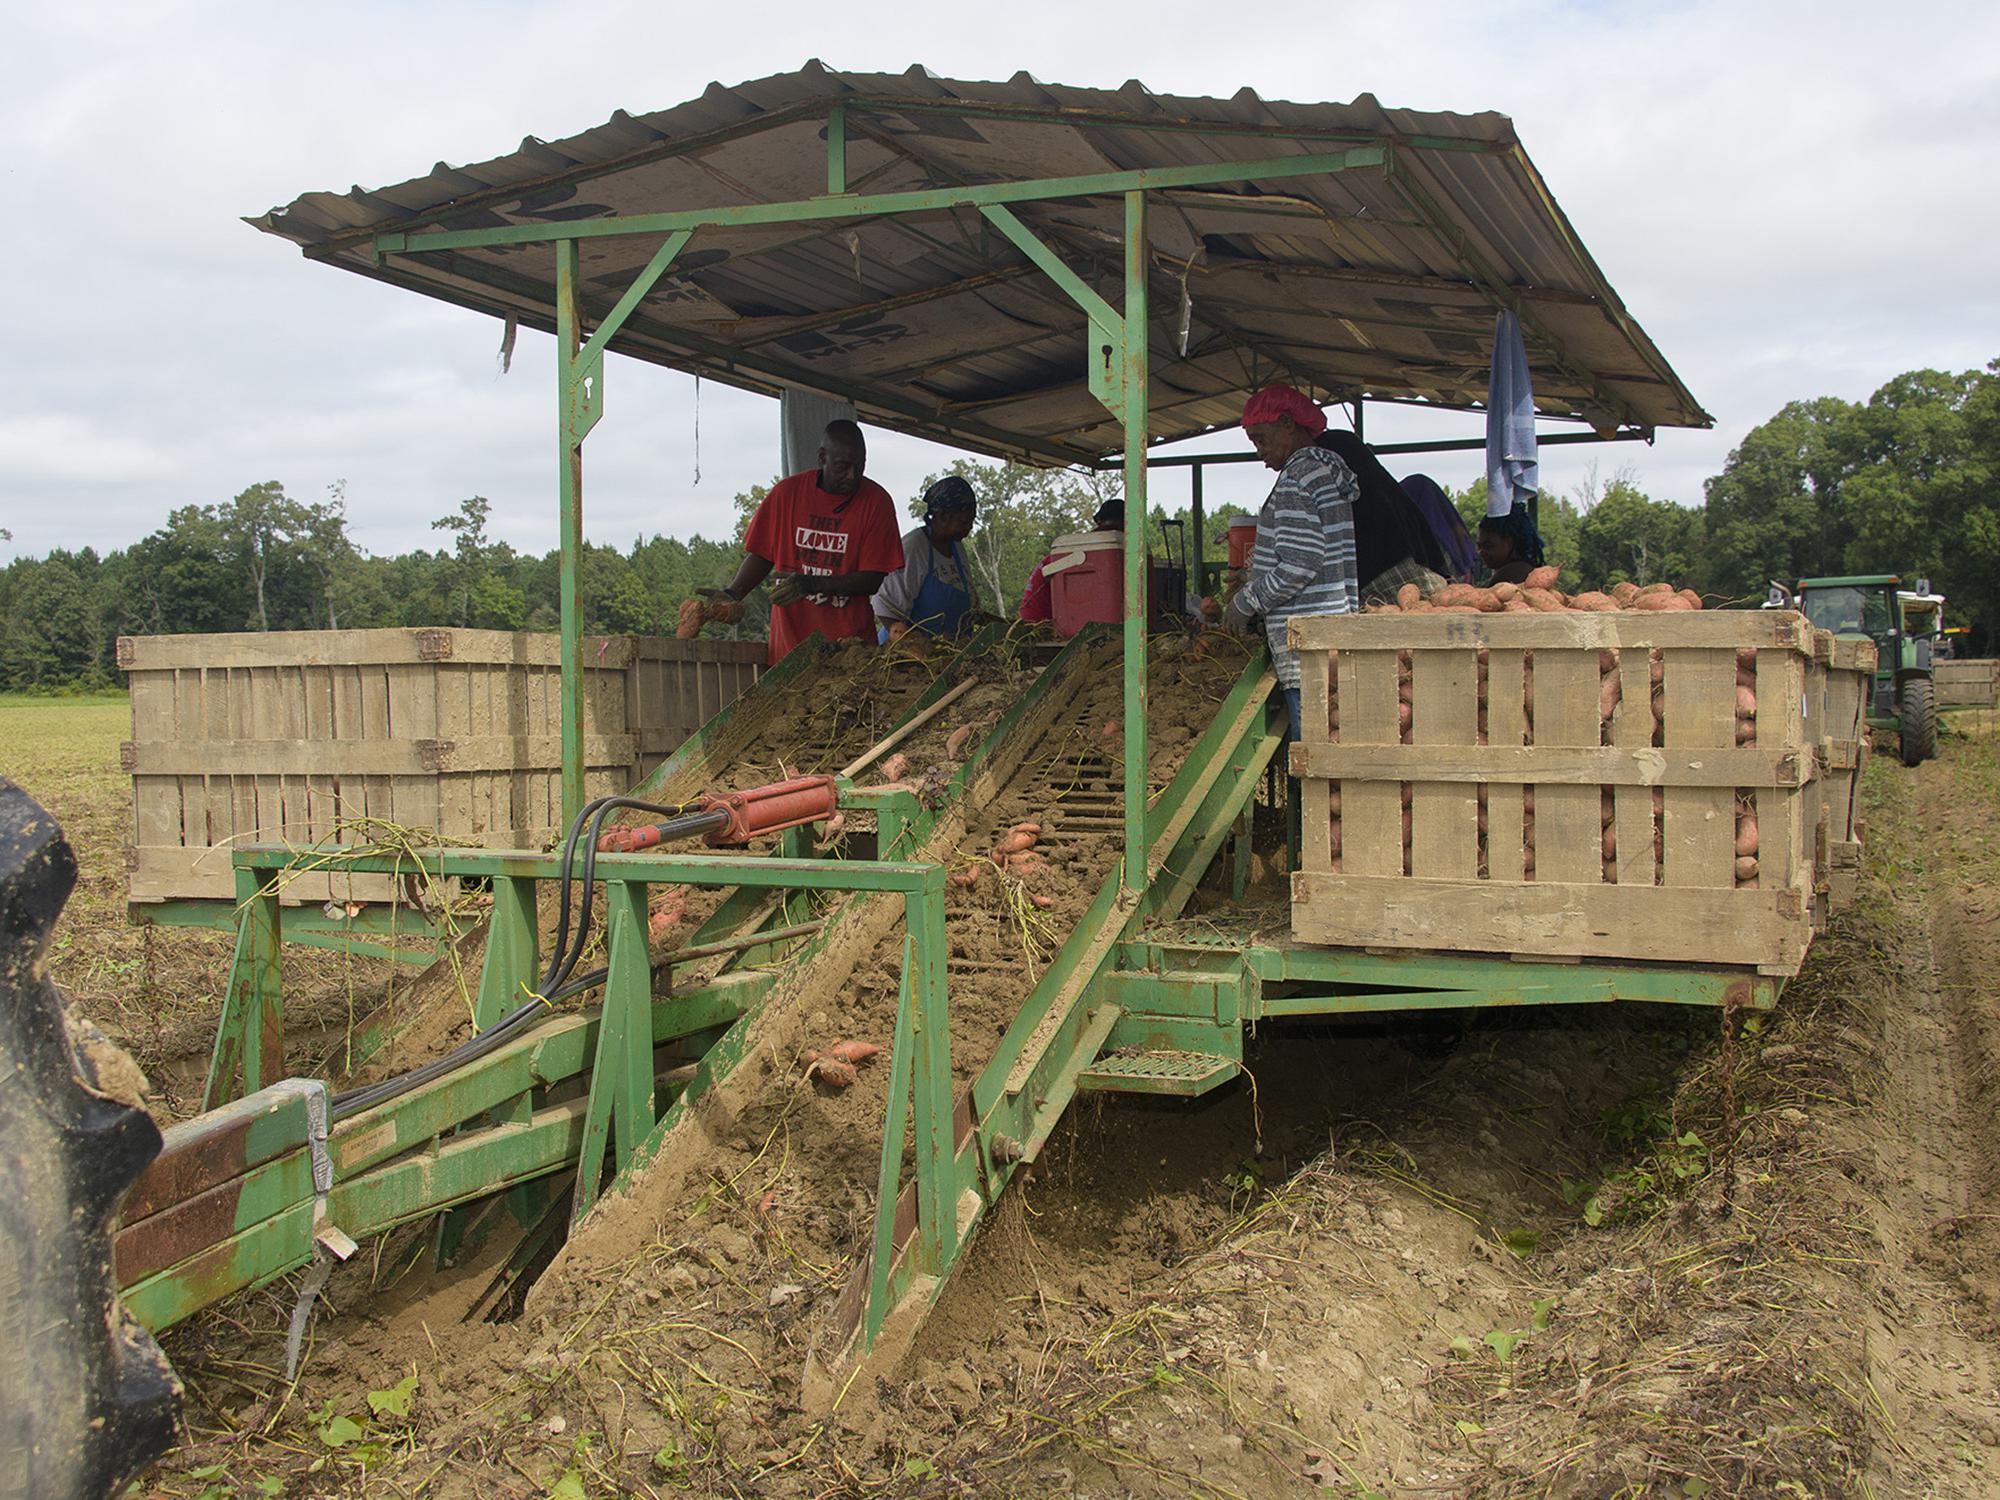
[578, 397]
[930, 1073]
[836, 150]
[509, 970]
[1198, 563]
[250, 1038]
[621, 1083]
[1133, 375]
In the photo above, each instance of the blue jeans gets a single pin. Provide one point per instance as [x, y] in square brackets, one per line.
[1297, 712]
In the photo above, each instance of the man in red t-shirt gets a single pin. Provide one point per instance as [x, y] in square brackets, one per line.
[826, 539]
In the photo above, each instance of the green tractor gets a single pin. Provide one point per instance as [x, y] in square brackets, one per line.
[1907, 627]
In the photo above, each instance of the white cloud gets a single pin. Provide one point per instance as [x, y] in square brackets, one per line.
[1792, 198]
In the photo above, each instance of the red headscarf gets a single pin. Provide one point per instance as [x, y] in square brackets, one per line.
[1276, 401]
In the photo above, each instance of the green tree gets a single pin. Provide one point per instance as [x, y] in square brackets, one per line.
[262, 529]
[470, 546]
[1774, 512]
[1625, 534]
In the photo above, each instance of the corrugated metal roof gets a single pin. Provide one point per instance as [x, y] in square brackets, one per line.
[1380, 282]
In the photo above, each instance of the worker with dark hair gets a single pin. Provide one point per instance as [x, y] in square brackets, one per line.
[1510, 546]
[1036, 601]
[1446, 524]
[826, 539]
[1393, 544]
[932, 592]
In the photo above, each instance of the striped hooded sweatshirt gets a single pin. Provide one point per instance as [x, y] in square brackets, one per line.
[1304, 561]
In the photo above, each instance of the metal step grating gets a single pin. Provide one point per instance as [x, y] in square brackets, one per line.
[1141, 1072]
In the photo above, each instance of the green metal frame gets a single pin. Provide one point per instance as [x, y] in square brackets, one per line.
[1117, 364]
[369, 933]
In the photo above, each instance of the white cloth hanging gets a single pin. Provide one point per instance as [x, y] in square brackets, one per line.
[1512, 472]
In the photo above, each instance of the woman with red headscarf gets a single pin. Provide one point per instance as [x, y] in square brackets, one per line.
[1304, 561]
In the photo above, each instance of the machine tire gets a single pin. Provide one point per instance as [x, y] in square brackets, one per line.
[86, 1398]
[1919, 732]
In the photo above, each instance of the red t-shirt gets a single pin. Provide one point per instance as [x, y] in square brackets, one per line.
[800, 528]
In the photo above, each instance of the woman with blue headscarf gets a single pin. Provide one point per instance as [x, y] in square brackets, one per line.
[1510, 546]
[932, 592]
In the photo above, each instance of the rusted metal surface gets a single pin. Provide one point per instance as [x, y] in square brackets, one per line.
[1383, 280]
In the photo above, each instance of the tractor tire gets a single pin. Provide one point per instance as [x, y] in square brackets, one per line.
[1919, 732]
[86, 1398]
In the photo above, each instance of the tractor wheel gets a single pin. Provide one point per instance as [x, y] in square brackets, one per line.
[1919, 721]
[86, 1398]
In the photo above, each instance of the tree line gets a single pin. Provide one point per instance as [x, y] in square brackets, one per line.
[1903, 482]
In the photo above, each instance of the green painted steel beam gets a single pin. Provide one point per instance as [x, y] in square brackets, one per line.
[574, 418]
[877, 205]
[1134, 389]
[1053, 266]
[591, 355]
[680, 869]
[471, 1166]
[836, 149]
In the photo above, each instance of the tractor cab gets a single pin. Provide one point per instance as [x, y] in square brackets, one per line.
[1906, 625]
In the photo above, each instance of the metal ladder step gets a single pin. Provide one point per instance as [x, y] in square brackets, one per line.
[1158, 1072]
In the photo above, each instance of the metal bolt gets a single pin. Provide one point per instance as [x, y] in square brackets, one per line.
[1005, 1149]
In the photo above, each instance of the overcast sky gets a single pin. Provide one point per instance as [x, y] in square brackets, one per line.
[1793, 199]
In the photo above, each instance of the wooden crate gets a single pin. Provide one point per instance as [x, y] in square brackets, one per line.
[674, 687]
[1972, 683]
[1551, 764]
[286, 735]
[1842, 679]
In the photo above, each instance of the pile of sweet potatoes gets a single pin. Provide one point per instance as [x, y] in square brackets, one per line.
[1537, 594]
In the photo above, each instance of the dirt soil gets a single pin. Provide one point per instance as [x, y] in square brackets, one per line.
[1589, 1253]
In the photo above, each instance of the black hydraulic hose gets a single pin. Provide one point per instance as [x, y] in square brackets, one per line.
[556, 983]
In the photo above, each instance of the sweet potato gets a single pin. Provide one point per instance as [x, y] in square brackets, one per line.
[1746, 834]
[1506, 591]
[1608, 842]
[1409, 594]
[1746, 868]
[1517, 607]
[853, 1052]
[835, 825]
[689, 620]
[1542, 578]
[894, 766]
[1034, 828]
[1610, 691]
[1548, 601]
[1746, 702]
[1107, 729]
[1624, 593]
[1024, 862]
[1656, 588]
[1485, 601]
[1693, 599]
[832, 1072]
[1595, 602]
[1014, 843]
[956, 742]
[963, 877]
[1746, 731]
[1657, 602]
[1041, 902]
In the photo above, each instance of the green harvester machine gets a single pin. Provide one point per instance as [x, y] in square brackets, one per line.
[1045, 274]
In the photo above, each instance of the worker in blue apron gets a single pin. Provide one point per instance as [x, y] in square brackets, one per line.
[932, 593]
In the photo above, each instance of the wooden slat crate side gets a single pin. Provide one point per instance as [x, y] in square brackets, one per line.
[247, 737]
[1972, 682]
[1574, 861]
